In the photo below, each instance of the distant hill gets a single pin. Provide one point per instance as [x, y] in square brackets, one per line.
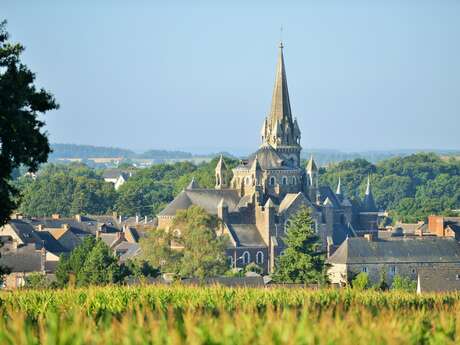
[322, 156]
[87, 151]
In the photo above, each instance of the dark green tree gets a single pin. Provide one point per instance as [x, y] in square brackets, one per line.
[157, 252]
[302, 261]
[22, 141]
[90, 263]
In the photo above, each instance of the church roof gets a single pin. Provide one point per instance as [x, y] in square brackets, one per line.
[268, 158]
[246, 235]
[221, 164]
[311, 165]
[369, 202]
[193, 184]
[208, 199]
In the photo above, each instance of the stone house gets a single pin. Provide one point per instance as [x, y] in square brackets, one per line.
[404, 257]
[438, 280]
[256, 199]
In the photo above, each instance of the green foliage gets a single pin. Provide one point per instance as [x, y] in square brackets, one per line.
[38, 280]
[218, 315]
[203, 253]
[67, 190]
[156, 251]
[361, 281]
[411, 187]
[253, 267]
[401, 283]
[302, 261]
[90, 263]
[22, 141]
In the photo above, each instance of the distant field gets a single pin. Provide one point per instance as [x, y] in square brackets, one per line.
[216, 315]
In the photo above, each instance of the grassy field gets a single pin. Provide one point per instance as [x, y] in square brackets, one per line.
[216, 315]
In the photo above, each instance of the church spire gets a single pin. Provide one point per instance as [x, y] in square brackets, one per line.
[339, 188]
[279, 128]
[369, 202]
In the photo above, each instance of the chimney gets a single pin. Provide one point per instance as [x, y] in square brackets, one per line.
[119, 218]
[98, 234]
[66, 226]
[137, 218]
[78, 218]
[115, 214]
[145, 219]
[55, 216]
[40, 227]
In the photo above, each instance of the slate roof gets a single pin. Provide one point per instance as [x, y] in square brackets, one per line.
[23, 229]
[246, 235]
[206, 198]
[50, 243]
[358, 250]
[22, 261]
[438, 280]
[268, 159]
[114, 173]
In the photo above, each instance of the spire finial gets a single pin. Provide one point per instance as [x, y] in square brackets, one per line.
[281, 37]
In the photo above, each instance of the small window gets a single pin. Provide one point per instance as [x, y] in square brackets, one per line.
[284, 180]
[259, 258]
[457, 277]
[272, 181]
[364, 269]
[294, 180]
[413, 271]
[230, 260]
[392, 270]
[246, 258]
[247, 180]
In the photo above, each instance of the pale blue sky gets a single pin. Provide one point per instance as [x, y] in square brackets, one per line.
[196, 75]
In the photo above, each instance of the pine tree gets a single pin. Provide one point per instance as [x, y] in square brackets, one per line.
[302, 261]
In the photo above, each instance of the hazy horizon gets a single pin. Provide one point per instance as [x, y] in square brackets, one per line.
[362, 76]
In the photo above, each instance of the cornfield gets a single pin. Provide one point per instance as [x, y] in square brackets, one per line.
[218, 315]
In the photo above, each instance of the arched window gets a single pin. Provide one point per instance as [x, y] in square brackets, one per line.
[246, 258]
[259, 258]
[247, 180]
[272, 181]
[294, 180]
[284, 180]
[230, 260]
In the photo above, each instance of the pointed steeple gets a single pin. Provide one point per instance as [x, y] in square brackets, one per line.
[193, 184]
[279, 128]
[311, 165]
[339, 188]
[369, 202]
[255, 165]
[221, 173]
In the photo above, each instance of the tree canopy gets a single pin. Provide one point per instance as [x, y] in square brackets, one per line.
[302, 260]
[22, 141]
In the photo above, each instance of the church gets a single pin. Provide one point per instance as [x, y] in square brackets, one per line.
[256, 199]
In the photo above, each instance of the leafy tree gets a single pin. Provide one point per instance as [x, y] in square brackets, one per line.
[302, 261]
[91, 262]
[203, 253]
[67, 190]
[253, 267]
[38, 280]
[361, 281]
[157, 252]
[22, 141]
[401, 283]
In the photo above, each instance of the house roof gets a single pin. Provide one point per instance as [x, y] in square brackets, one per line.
[246, 235]
[360, 251]
[23, 230]
[22, 261]
[226, 281]
[50, 243]
[438, 279]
